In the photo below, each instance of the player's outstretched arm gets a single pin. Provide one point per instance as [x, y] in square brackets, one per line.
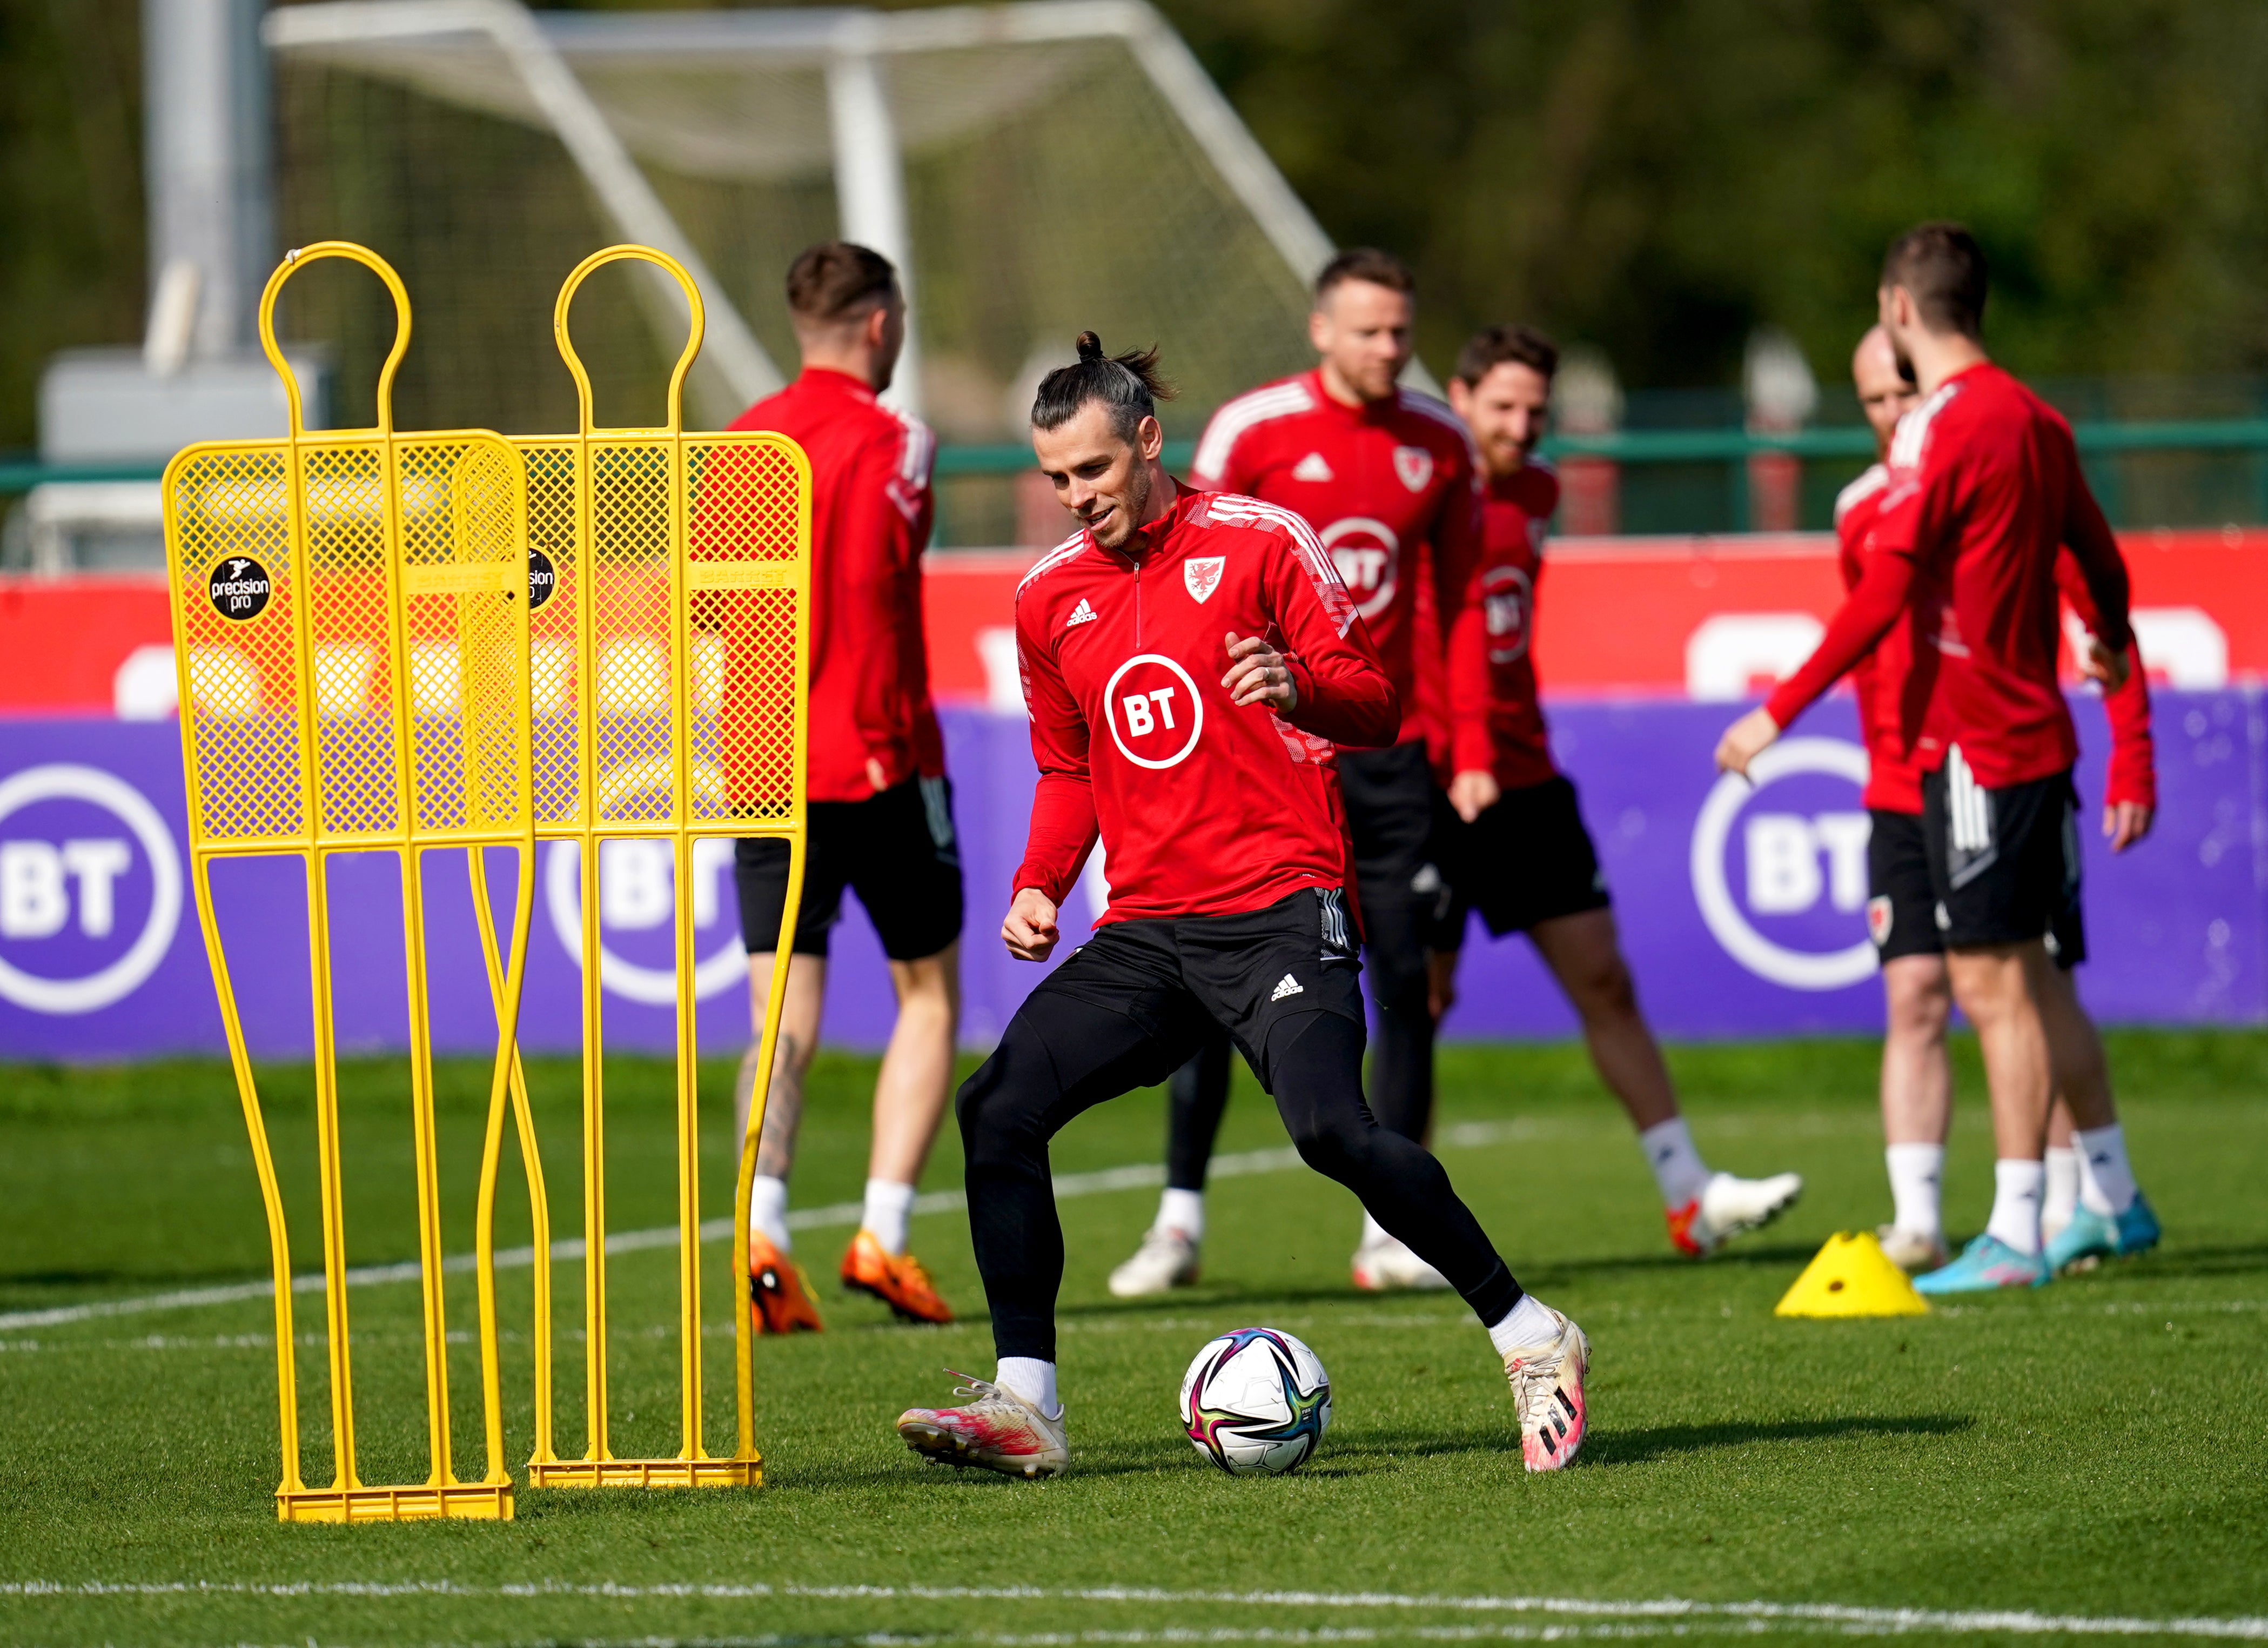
[1858, 627]
[1063, 828]
[1340, 689]
[2129, 801]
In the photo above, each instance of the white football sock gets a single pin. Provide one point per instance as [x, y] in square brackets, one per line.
[1183, 1210]
[888, 1206]
[1917, 1185]
[1677, 1166]
[1032, 1380]
[2106, 1183]
[1373, 1231]
[2017, 1187]
[1526, 1323]
[767, 1210]
[2056, 1207]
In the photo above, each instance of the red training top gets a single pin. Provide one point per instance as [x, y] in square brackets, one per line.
[1388, 487]
[1894, 782]
[1985, 487]
[1203, 808]
[1495, 723]
[871, 511]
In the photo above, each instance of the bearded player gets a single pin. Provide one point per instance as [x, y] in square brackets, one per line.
[1385, 477]
[1192, 666]
[881, 807]
[1985, 490]
[1513, 846]
[2091, 1208]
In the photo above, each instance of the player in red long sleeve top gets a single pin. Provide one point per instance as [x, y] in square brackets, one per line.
[1985, 490]
[1385, 476]
[881, 813]
[1901, 908]
[1511, 839]
[1190, 662]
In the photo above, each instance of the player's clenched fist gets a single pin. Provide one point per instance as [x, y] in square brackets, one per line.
[1030, 931]
[1258, 674]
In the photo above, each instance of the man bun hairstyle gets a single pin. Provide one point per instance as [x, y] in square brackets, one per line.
[1519, 345]
[1129, 385]
[838, 281]
[1365, 263]
[1942, 268]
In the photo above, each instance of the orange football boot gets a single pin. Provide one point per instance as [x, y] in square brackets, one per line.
[897, 1280]
[779, 1293]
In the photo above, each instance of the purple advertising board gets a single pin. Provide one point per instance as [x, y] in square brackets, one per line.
[1742, 910]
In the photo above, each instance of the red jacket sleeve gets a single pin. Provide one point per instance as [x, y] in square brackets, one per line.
[1064, 829]
[1858, 625]
[885, 513]
[2087, 539]
[1345, 694]
[2133, 770]
[1459, 543]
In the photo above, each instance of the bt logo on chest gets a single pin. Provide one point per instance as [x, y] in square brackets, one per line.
[1154, 709]
[1368, 555]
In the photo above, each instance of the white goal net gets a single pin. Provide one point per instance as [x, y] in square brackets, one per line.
[1035, 168]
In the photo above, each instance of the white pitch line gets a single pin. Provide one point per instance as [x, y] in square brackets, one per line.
[1134, 1177]
[1841, 1617]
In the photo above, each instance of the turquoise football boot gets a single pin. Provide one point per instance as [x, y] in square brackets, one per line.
[1986, 1264]
[2096, 1236]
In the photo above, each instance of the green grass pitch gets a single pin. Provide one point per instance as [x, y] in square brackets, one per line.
[2094, 1452]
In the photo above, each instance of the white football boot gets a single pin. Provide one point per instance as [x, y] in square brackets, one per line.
[998, 1431]
[1546, 1393]
[1167, 1259]
[1385, 1263]
[1729, 1207]
[1911, 1250]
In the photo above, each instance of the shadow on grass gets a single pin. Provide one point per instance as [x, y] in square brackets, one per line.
[1638, 1447]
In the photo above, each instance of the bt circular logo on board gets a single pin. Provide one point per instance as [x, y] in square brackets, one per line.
[1779, 866]
[90, 888]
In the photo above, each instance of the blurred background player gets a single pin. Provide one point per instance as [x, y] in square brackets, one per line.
[1512, 844]
[1984, 488]
[1190, 662]
[1385, 477]
[2081, 1216]
[880, 808]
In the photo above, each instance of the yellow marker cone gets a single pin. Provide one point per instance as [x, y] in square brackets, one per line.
[1851, 1276]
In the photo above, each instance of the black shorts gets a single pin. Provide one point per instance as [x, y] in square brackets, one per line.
[1177, 979]
[1901, 905]
[1399, 883]
[896, 851]
[2003, 864]
[1527, 859]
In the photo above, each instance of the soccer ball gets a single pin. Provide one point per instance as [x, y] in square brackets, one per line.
[1256, 1401]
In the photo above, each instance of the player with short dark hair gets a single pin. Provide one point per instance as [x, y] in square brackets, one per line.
[1191, 665]
[1511, 837]
[880, 808]
[1385, 477]
[1985, 490]
[2087, 1210]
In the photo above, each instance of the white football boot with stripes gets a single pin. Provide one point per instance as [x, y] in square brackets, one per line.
[1546, 1393]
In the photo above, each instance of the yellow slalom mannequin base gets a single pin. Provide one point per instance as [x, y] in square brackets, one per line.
[1851, 1276]
[352, 643]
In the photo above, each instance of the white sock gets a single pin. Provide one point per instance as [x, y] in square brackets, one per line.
[1677, 1166]
[1526, 1323]
[2106, 1183]
[767, 1210]
[1373, 1231]
[1917, 1184]
[1032, 1380]
[2062, 1188]
[2017, 1187]
[1183, 1210]
[888, 1206]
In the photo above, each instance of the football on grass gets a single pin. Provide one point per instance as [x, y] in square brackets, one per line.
[1256, 1401]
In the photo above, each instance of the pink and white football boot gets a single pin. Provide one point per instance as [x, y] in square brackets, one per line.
[999, 1431]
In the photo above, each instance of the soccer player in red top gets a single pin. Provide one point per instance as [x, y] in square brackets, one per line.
[1513, 845]
[1984, 488]
[1385, 477]
[2078, 1215]
[1192, 666]
[880, 815]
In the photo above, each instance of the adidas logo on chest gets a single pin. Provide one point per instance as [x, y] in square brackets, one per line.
[1081, 614]
[1312, 467]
